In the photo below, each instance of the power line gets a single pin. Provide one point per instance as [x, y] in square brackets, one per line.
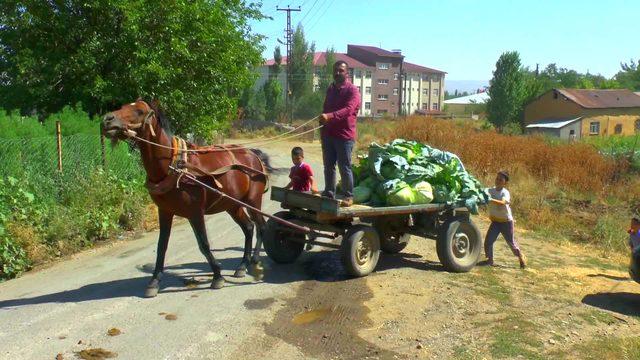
[309, 12]
[320, 17]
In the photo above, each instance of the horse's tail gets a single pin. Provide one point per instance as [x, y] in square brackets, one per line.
[264, 158]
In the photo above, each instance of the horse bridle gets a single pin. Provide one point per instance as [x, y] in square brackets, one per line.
[147, 121]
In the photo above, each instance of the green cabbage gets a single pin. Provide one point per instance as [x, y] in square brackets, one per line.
[361, 194]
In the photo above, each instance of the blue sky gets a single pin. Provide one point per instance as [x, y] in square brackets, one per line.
[466, 37]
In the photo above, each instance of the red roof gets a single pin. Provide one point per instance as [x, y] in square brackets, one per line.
[407, 66]
[320, 59]
[377, 51]
[601, 99]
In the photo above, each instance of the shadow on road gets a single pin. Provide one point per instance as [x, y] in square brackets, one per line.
[622, 303]
[324, 266]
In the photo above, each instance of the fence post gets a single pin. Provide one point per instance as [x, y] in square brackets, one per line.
[102, 149]
[59, 143]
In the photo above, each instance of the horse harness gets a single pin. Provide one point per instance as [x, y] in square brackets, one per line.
[179, 160]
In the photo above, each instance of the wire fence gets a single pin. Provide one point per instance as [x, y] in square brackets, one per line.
[56, 166]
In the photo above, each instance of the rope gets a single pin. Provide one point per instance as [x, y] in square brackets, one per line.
[211, 149]
[279, 135]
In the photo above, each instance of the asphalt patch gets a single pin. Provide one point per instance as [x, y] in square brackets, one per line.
[259, 304]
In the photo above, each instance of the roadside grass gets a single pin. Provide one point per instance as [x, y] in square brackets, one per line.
[516, 337]
[618, 348]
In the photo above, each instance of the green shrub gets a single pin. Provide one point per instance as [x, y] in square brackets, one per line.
[51, 213]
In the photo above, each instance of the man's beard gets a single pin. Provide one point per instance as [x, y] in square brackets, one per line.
[339, 78]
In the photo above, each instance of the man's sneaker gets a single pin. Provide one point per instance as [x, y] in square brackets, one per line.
[346, 202]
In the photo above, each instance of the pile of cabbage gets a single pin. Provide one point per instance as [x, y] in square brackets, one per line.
[408, 173]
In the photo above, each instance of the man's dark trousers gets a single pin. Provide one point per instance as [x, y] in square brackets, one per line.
[335, 150]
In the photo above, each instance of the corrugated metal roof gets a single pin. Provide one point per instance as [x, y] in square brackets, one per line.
[601, 99]
[553, 123]
[407, 66]
[479, 98]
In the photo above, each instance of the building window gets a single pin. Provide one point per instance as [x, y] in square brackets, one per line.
[383, 81]
[434, 106]
[382, 111]
[358, 73]
[436, 92]
[367, 74]
[594, 128]
[395, 91]
[367, 90]
[425, 77]
[435, 78]
[425, 92]
[395, 76]
[359, 89]
[425, 106]
[384, 66]
[383, 97]
[618, 129]
[367, 106]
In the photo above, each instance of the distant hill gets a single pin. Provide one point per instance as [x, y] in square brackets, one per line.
[464, 85]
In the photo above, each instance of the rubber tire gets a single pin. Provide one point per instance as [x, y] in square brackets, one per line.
[444, 245]
[277, 246]
[386, 232]
[389, 246]
[349, 250]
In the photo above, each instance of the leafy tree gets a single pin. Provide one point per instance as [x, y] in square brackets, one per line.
[254, 104]
[193, 56]
[301, 64]
[629, 76]
[326, 73]
[273, 89]
[506, 91]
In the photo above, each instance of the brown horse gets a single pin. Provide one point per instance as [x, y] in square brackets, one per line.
[239, 172]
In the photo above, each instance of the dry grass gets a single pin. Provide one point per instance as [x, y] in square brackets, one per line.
[576, 166]
[561, 191]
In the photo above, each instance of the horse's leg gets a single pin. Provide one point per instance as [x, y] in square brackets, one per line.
[241, 218]
[165, 219]
[256, 264]
[200, 230]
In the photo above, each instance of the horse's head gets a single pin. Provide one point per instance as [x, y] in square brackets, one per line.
[130, 120]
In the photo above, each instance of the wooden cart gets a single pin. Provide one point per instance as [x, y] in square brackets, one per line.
[361, 232]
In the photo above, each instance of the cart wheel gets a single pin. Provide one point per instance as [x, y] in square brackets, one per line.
[459, 245]
[393, 244]
[283, 247]
[360, 250]
[392, 240]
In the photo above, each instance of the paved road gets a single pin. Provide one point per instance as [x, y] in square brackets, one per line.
[71, 305]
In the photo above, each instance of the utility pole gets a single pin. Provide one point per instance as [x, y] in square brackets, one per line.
[289, 41]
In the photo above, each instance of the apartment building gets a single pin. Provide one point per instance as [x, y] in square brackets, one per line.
[388, 84]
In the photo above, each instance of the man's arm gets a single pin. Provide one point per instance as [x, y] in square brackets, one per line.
[352, 104]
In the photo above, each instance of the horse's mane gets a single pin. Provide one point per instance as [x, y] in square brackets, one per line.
[164, 121]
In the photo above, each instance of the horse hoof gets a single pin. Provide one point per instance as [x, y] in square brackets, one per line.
[151, 292]
[217, 283]
[257, 271]
[240, 273]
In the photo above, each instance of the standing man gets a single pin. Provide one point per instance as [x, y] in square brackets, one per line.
[339, 115]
